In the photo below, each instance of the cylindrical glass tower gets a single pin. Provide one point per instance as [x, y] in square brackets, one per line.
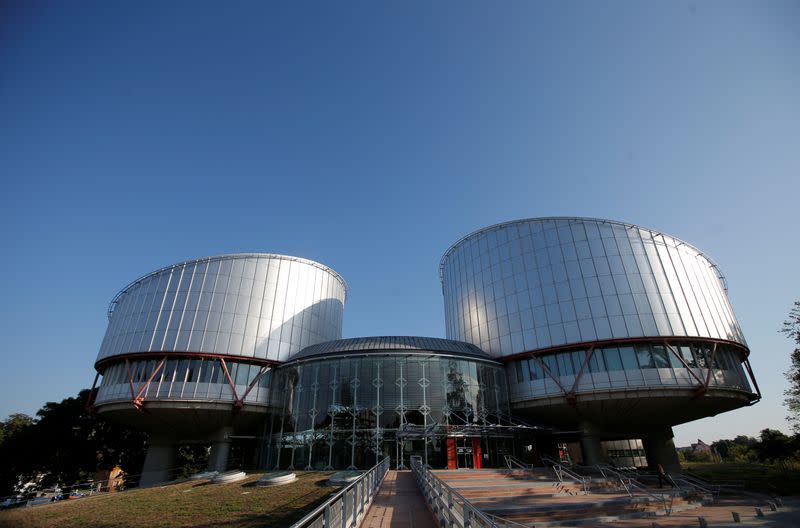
[349, 403]
[194, 343]
[598, 322]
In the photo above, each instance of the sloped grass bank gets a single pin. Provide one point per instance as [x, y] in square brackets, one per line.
[779, 479]
[189, 504]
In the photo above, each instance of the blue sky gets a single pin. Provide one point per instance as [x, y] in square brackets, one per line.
[371, 136]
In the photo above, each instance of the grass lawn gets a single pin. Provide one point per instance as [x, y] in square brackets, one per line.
[238, 505]
[757, 477]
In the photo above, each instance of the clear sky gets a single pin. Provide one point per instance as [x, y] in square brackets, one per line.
[370, 136]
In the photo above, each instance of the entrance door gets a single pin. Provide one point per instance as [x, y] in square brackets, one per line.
[464, 452]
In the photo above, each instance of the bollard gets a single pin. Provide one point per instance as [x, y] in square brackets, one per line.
[779, 502]
[703, 522]
[736, 517]
[759, 513]
[772, 506]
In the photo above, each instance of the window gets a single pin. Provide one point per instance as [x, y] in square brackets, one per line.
[612, 358]
[628, 356]
[597, 363]
[645, 357]
[660, 356]
[686, 354]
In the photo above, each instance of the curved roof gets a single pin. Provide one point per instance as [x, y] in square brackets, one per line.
[575, 218]
[323, 267]
[379, 344]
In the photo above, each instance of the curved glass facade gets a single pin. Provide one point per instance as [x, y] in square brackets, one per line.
[353, 409]
[542, 283]
[194, 379]
[669, 365]
[259, 306]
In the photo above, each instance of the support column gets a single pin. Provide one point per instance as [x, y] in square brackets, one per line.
[220, 448]
[162, 454]
[590, 446]
[660, 449]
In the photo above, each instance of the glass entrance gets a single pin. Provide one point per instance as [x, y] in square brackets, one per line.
[464, 452]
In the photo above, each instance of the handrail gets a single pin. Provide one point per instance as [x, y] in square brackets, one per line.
[660, 496]
[714, 484]
[560, 470]
[616, 474]
[514, 461]
[697, 484]
[450, 507]
[349, 511]
[631, 483]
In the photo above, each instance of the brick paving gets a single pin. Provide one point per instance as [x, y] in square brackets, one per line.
[529, 498]
[399, 504]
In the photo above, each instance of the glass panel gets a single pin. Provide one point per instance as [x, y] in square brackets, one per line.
[660, 356]
[535, 369]
[565, 364]
[597, 364]
[217, 376]
[551, 363]
[180, 374]
[191, 369]
[686, 354]
[644, 356]
[578, 357]
[628, 356]
[673, 360]
[205, 371]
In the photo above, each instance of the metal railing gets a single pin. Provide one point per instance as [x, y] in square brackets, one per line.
[561, 471]
[632, 485]
[624, 479]
[666, 499]
[348, 507]
[514, 463]
[695, 484]
[449, 507]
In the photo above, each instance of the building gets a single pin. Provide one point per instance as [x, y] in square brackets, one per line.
[569, 336]
[193, 345]
[606, 328]
[350, 403]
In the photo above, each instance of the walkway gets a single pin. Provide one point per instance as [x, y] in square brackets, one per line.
[399, 504]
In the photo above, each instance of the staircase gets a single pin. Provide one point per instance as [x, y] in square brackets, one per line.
[534, 496]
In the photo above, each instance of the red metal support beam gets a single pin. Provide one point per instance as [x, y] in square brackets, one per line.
[240, 401]
[547, 371]
[752, 377]
[683, 362]
[138, 401]
[230, 380]
[90, 400]
[710, 366]
[572, 398]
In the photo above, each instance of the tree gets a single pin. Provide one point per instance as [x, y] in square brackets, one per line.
[13, 425]
[774, 446]
[16, 434]
[791, 328]
[67, 444]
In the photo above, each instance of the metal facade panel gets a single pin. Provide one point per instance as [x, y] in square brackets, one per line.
[543, 283]
[260, 306]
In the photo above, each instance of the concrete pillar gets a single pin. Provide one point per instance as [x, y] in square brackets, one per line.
[159, 463]
[590, 446]
[660, 449]
[220, 448]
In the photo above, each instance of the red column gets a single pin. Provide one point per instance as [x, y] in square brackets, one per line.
[451, 453]
[477, 456]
